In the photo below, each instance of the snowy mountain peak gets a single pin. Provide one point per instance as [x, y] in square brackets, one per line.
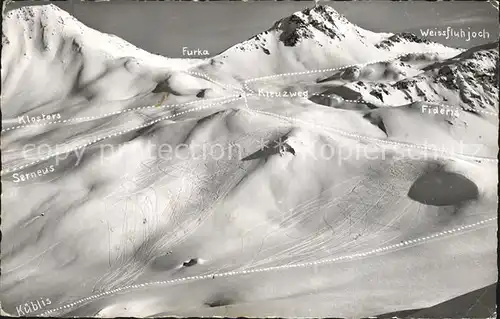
[304, 24]
[31, 14]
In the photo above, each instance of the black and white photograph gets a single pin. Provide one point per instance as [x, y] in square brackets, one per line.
[260, 159]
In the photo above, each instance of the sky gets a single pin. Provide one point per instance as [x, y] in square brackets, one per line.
[166, 27]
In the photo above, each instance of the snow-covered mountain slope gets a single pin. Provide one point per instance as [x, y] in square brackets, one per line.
[317, 38]
[247, 205]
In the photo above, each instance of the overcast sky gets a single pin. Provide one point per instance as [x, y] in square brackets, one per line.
[166, 27]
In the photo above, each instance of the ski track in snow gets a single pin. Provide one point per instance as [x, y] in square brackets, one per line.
[389, 248]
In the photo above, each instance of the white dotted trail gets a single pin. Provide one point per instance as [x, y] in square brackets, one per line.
[384, 249]
[117, 134]
[90, 118]
[206, 77]
[389, 105]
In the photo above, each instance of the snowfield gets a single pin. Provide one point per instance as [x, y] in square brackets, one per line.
[173, 187]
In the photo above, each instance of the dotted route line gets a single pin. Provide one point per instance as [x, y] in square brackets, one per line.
[117, 134]
[339, 68]
[374, 139]
[89, 118]
[274, 268]
[282, 117]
